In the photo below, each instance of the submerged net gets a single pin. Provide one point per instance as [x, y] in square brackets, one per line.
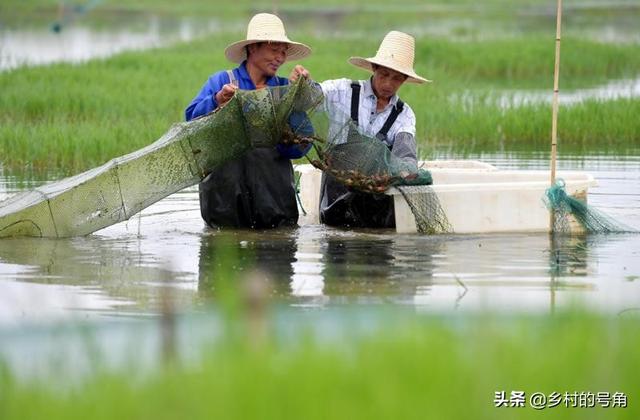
[427, 211]
[122, 187]
[566, 208]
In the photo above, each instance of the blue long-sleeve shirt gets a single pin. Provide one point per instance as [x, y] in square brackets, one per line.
[205, 102]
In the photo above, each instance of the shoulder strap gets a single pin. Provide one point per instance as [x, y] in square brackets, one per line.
[232, 77]
[355, 100]
[391, 118]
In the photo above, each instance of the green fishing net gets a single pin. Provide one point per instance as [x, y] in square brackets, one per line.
[428, 213]
[365, 163]
[565, 209]
[122, 187]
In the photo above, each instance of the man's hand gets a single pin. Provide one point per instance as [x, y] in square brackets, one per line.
[408, 176]
[298, 71]
[225, 94]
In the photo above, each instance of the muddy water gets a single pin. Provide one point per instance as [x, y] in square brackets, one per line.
[166, 250]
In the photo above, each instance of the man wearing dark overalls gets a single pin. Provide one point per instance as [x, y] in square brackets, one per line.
[378, 112]
[256, 191]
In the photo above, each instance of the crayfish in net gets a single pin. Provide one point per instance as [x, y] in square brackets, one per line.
[290, 138]
[353, 178]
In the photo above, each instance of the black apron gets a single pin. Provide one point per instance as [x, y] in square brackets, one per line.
[340, 206]
[256, 191]
[345, 207]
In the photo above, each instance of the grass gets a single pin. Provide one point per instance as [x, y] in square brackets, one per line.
[435, 368]
[592, 127]
[66, 118]
[62, 119]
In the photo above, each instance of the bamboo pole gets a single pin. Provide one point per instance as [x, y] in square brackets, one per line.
[554, 117]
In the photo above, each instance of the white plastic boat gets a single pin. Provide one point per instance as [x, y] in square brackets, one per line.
[475, 196]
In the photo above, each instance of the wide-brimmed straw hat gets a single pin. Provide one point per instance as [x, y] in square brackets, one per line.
[397, 52]
[265, 27]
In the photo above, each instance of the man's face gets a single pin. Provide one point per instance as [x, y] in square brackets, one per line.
[386, 82]
[268, 56]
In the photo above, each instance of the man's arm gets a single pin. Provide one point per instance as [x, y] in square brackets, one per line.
[207, 99]
[337, 94]
[404, 142]
[404, 147]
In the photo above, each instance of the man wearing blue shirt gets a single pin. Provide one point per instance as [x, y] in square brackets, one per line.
[256, 191]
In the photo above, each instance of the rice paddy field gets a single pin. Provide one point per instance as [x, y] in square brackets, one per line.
[160, 317]
[83, 115]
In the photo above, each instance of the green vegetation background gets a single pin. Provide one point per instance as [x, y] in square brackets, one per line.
[64, 118]
[441, 368]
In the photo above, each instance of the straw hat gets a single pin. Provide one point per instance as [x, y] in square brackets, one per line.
[265, 27]
[396, 52]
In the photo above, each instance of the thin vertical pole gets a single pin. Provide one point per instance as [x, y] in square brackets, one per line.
[554, 118]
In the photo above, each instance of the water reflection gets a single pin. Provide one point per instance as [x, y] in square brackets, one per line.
[568, 255]
[41, 278]
[612, 90]
[268, 254]
[376, 267]
[307, 280]
[48, 279]
[79, 42]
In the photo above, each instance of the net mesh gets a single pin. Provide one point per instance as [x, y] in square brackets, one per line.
[362, 162]
[427, 211]
[365, 163]
[565, 209]
[120, 188]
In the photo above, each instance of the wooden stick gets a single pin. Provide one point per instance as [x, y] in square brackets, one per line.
[554, 118]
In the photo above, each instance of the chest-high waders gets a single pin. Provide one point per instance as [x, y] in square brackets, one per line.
[341, 206]
[256, 191]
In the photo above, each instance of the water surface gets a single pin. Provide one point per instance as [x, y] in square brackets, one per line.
[77, 42]
[124, 270]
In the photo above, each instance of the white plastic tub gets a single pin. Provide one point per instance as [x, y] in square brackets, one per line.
[475, 196]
